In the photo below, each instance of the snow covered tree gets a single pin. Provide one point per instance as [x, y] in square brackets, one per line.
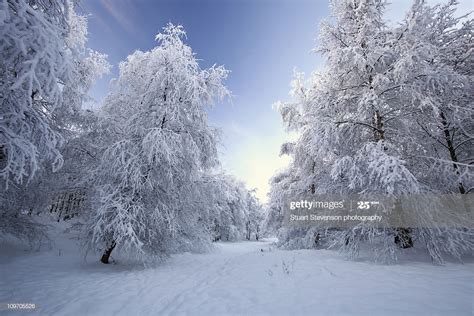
[234, 213]
[35, 64]
[358, 121]
[256, 215]
[160, 145]
[45, 74]
[343, 115]
[68, 192]
[228, 205]
[434, 73]
[285, 186]
[230, 215]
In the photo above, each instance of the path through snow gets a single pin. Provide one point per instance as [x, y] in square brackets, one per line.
[236, 278]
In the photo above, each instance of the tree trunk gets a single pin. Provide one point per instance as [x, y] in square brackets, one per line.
[379, 133]
[313, 186]
[248, 230]
[3, 158]
[402, 235]
[451, 149]
[317, 237]
[107, 252]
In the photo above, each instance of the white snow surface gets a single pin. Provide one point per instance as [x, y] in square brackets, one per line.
[239, 278]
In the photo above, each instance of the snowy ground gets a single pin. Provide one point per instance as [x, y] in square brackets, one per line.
[237, 278]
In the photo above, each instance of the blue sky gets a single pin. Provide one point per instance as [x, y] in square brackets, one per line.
[260, 41]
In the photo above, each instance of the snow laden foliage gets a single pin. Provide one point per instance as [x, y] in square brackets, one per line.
[434, 72]
[68, 192]
[234, 213]
[42, 69]
[160, 145]
[45, 74]
[390, 115]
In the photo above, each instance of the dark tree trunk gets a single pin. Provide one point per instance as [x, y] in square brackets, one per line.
[403, 238]
[3, 158]
[379, 132]
[451, 149]
[248, 230]
[317, 237]
[313, 186]
[107, 252]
